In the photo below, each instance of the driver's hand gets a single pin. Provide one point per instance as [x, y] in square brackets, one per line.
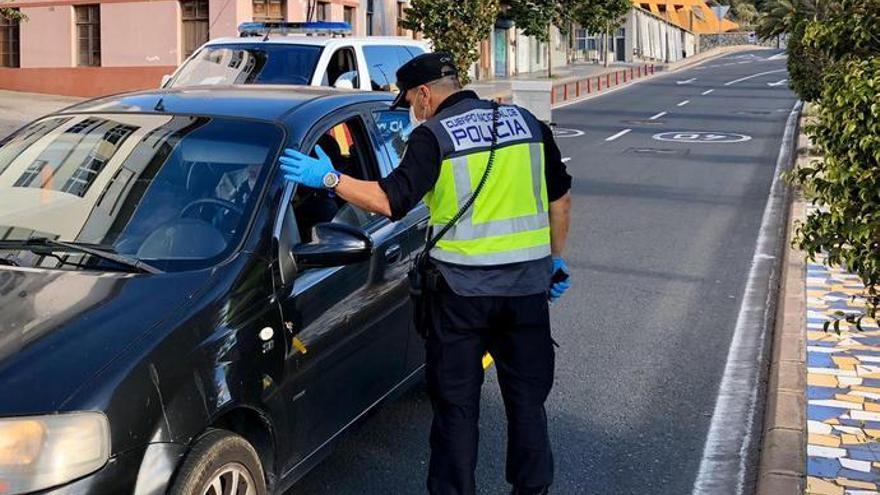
[303, 169]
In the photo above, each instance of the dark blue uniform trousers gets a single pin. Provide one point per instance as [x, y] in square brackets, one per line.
[516, 331]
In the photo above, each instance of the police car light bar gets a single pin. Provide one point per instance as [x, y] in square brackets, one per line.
[247, 29]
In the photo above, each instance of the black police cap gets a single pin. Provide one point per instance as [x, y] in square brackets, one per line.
[420, 70]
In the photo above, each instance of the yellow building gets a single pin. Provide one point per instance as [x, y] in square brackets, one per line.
[693, 15]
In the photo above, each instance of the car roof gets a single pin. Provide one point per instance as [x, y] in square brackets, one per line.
[319, 40]
[263, 102]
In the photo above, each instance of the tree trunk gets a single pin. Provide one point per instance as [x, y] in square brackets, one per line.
[607, 46]
[549, 52]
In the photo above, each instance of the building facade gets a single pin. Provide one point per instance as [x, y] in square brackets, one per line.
[82, 48]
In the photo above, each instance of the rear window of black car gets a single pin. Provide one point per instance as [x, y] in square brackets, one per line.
[267, 63]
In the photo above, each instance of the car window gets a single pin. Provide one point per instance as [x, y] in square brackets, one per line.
[394, 130]
[342, 67]
[269, 63]
[351, 154]
[175, 191]
[383, 62]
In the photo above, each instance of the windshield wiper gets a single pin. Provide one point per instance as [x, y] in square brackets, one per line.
[38, 243]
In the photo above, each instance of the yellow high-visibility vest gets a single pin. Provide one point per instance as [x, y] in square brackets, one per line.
[509, 221]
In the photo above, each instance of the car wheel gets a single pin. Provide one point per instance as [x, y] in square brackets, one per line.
[220, 463]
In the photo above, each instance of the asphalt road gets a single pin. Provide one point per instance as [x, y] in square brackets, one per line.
[662, 238]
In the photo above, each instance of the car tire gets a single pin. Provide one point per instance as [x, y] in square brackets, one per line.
[219, 462]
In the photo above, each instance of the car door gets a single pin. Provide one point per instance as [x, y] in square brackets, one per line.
[393, 128]
[347, 324]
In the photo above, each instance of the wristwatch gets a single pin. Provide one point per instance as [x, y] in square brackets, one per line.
[331, 180]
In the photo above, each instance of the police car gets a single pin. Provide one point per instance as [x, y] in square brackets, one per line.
[175, 317]
[307, 53]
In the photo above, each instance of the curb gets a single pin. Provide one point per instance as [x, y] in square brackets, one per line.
[655, 70]
[730, 459]
[584, 88]
[782, 468]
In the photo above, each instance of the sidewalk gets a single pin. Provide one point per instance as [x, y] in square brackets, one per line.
[822, 424]
[584, 78]
[17, 108]
[500, 87]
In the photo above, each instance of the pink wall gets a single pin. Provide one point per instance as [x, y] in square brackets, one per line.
[140, 34]
[223, 18]
[47, 38]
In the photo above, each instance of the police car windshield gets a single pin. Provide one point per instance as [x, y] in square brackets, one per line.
[174, 191]
[249, 63]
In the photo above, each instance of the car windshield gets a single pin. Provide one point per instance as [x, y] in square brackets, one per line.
[173, 191]
[265, 63]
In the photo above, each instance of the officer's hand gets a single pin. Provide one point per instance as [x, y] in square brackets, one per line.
[558, 288]
[303, 169]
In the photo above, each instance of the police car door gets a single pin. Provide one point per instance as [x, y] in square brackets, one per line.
[348, 323]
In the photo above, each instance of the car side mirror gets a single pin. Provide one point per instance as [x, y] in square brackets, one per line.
[334, 244]
[165, 80]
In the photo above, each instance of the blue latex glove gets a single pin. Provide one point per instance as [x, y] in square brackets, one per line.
[557, 289]
[303, 169]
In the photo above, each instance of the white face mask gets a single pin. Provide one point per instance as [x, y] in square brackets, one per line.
[415, 121]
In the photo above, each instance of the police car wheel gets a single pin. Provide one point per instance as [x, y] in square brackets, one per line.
[220, 463]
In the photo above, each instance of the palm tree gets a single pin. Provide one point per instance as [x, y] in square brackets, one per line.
[781, 16]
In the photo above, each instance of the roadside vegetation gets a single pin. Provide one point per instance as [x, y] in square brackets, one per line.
[834, 62]
[458, 26]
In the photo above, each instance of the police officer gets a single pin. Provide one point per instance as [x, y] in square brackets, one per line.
[497, 264]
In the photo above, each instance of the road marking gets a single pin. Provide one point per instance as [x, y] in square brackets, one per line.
[683, 103]
[621, 133]
[759, 74]
[777, 83]
[701, 137]
[658, 116]
[704, 93]
[688, 81]
[566, 159]
[562, 132]
[778, 56]
[731, 431]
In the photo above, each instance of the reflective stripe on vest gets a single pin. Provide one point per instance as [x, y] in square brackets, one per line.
[508, 223]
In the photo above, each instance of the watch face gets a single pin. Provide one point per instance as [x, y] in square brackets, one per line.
[331, 180]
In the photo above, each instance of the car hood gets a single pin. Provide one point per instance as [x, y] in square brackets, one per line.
[59, 328]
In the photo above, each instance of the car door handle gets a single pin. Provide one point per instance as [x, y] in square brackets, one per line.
[392, 254]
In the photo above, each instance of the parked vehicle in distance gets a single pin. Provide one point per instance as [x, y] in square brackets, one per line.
[175, 316]
[312, 54]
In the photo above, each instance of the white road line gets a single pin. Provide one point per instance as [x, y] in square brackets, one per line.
[658, 116]
[704, 93]
[683, 103]
[759, 74]
[726, 452]
[566, 159]
[688, 81]
[621, 133]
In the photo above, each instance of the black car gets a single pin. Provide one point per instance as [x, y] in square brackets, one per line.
[174, 316]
